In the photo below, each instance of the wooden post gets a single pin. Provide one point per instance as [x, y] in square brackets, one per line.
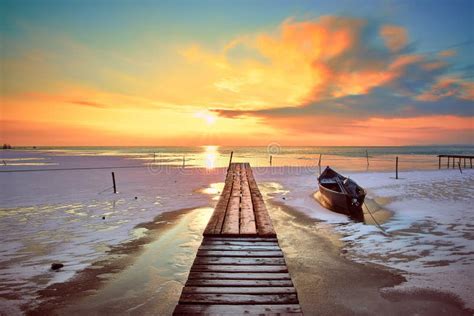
[470, 159]
[367, 153]
[448, 162]
[439, 162]
[459, 165]
[464, 163]
[270, 160]
[396, 168]
[319, 163]
[454, 161]
[230, 160]
[154, 157]
[184, 161]
[113, 181]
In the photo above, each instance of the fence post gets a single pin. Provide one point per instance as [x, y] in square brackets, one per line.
[113, 181]
[319, 163]
[396, 168]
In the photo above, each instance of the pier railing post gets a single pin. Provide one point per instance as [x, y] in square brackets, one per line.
[439, 162]
[270, 160]
[367, 154]
[230, 160]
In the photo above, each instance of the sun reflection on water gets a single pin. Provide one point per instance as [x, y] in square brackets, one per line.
[210, 156]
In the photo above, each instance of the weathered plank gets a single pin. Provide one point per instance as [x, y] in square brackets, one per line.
[232, 217]
[238, 299]
[239, 276]
[255, 254]
[239, 238]
[240, 261]
[196, 309]
[243, 248]
[238, 283]
[239, 243]
[239, 268]
[238, 290]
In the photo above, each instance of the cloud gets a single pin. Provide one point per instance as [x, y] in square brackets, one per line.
[90, 103]
[395, 37]
[447, 53]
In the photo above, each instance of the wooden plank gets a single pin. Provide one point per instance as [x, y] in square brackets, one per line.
[255, 254]
[196, 309]
[231, 222]
[240, 261]
[238, 243]
[238, 276]
[263, 221]
[238, 290]
[217, 219]
[239, 268]
[249, 239]
[214, 225]
[247, 218]
[238, 299]
[239, 283]
[241, 248]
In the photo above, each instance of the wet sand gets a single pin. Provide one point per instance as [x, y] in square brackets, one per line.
[330, 284]
[141, 277]
[145, 277]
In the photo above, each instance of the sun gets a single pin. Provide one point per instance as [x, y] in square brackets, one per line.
[208, 117]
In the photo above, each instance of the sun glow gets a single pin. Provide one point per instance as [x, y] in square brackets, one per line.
[208, 117]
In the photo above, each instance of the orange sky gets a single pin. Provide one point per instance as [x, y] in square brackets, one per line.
[317, 81]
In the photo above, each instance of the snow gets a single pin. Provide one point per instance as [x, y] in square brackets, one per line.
[56, 216]
[430, 236]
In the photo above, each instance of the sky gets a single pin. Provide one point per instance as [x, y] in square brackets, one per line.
[181, 73]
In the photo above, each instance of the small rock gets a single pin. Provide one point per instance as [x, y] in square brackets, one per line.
[284, 198]
[103, 217]
[344, 251]
[136, 198]
[56, 266]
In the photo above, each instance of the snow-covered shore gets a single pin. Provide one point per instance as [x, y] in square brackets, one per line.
[58, 216]
[430, 235]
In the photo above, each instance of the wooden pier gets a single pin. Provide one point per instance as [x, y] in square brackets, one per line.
[239, 267]
[453, 158]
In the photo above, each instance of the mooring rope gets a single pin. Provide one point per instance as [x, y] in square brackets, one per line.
[375, 221]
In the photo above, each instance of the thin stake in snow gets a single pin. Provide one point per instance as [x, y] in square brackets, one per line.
[396, 168]
[319, 163]
[113, 181]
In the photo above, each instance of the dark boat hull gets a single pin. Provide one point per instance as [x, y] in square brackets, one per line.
[341, 195]
[340, 203]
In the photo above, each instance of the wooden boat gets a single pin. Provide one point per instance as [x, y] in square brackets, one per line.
[341, 194]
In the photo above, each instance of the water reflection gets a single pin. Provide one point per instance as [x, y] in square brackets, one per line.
[210, 156]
